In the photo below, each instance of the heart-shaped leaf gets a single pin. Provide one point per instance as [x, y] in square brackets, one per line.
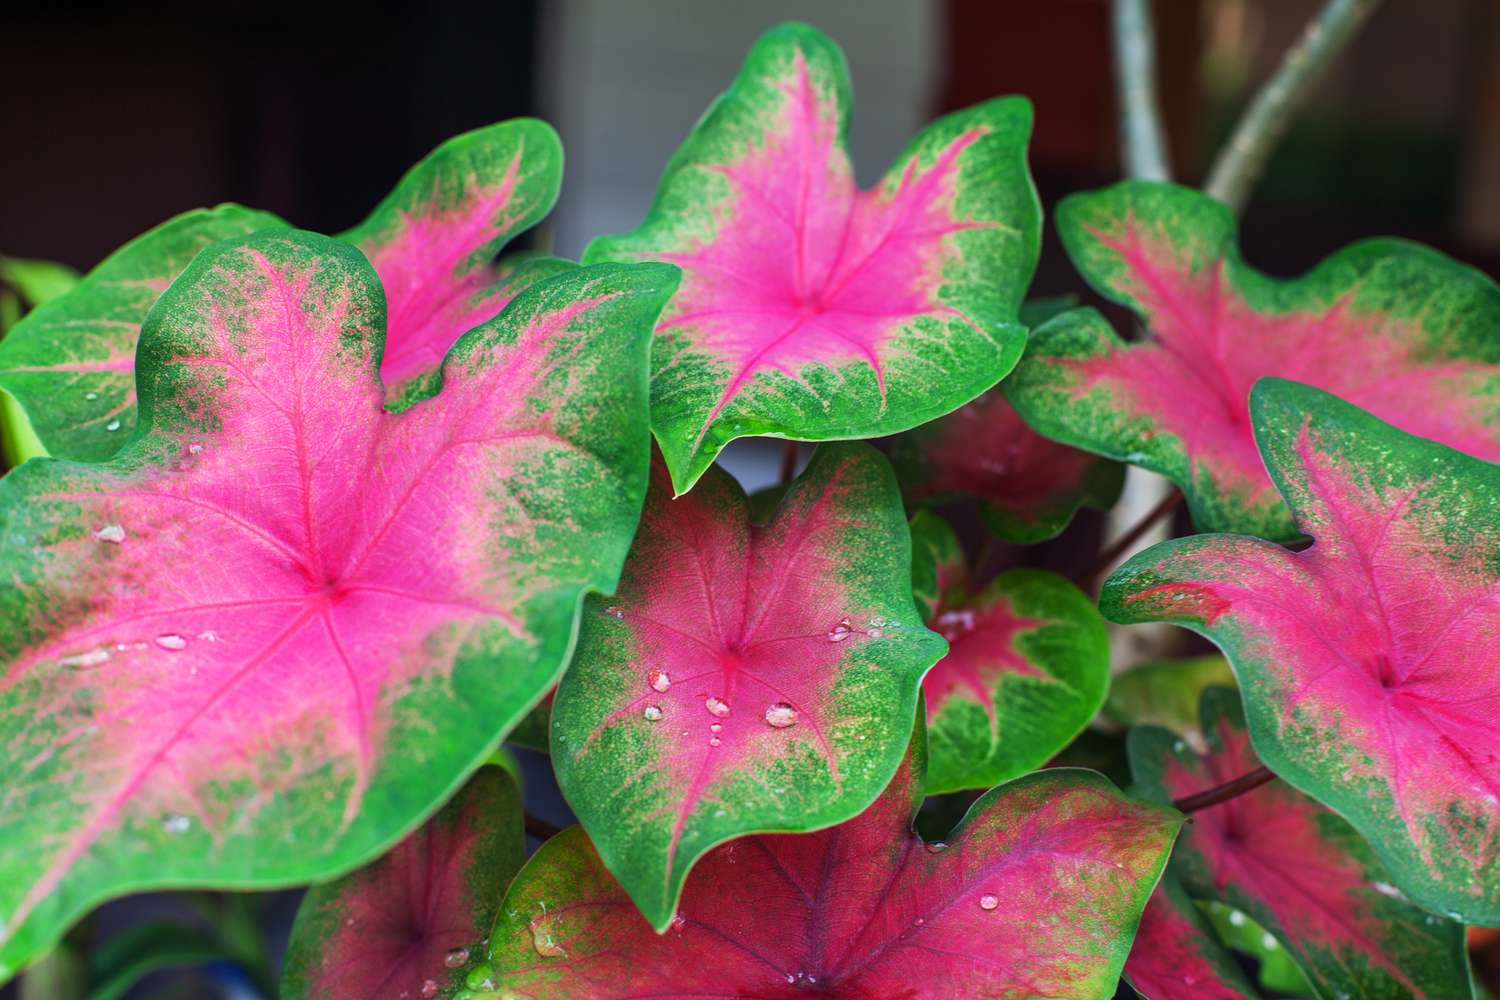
[1027, 665]
[70, 364]
[1295, 867]
[283, 623]
[1368, 661]
[410, 923]
[746, 677]
[810, 309]
[433, 241]
[1390, 326]
[1036, 893]
[1031, 486]
[1177, 957]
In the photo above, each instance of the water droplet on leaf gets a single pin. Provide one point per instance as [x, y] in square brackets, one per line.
[113, 425]
[92, 658]
[112, 533]
[936, 847]
[988, 901]
[717, 707]
[171, 642]
[429, 988]
[456, 958]
[541, 940]
[1268, 942]
[839, 632]
[652, 713]
[659, 681]
[176, 824]
[91, 396]
[781, 715]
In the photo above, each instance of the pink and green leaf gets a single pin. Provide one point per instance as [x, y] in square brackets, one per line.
[810, 309]
[1030, 486]
[1296, 868]
[1036, 893]
[1027, 665]
[70, 363]
[433, 241]
[413, 922]
[273, 632]
[1368, 660]
[1176, 955]
[745, 677]
[1393, 327]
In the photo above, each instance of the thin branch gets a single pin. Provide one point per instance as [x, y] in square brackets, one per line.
[1223, 793]
[1123, 544]
[540, 828]
[788, 461]
[1243, 159]
[1143, 145]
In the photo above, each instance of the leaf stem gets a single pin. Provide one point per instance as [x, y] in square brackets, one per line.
[1142, 142]
[1122, 545]
[788, 461]
[540, 828]
[1223, 793]
[1243, 159]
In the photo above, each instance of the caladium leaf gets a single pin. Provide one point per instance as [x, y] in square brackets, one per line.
[1176, 955]
[70, 363]
[1277, 972]
[810, 309]
[1027, 665]
[1390, 326]
[411, 923]
[745, 677]
[38, 281]
[1036, 893]
[1030, 486]
[1367, 660]
[1166, 693]
[1294, 866]
[283, 623]
[433, 241]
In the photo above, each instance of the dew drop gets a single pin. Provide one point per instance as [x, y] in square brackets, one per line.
[112, 533]
[875, 633]
[781, 715]
[429, 988]
[175, 643]
[113, 425]
[614, 612]
[659, 681]
[176, 824]
[714, 741]
[195, 449]
[877, 622]
[936, 847]
[457, 958]
[715, 727]
[1236, 918]
[209, 636]
[91, 396]
[839, 632]
[678, 922]
[1268, 942]
[989, 901]
[717, 707]
[541, 940]
[92, 658]
[652, 713]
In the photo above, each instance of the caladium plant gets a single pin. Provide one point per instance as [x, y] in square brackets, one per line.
[810, 309]
[1421, 325]
[1026, 669]
[1299, 870]
[745, 677]
[1177, 957]
[433, 241]
[1036, 893]
[409, 925]
[276, 629]
[1367, 660]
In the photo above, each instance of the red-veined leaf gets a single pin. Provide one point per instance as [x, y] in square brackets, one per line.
[433, 241]
[1296, 868]
[745, 677]
[810, 309]
[283, 623]
[410, 924]
[1036, 893]
[1176, 955]
[1030, 486]
[1027, 665]
[1371, 661]
[1390, 326]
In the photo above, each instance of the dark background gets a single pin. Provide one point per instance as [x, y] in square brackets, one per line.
[115, 117]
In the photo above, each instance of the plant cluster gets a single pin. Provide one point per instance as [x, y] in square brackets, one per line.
[326, 520]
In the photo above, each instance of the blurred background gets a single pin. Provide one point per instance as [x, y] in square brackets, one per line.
[116, 118]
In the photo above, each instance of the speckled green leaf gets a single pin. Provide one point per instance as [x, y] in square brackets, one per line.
[1278, 972]
[1165, 692]
[1390, 326]
[1298, 869]
[810, 309]
[1371, 660]
[413, 923]
[1027, 665]
[70, 364]
[744, 678]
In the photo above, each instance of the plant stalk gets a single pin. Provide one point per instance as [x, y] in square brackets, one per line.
[788, 460]
[540, 828]
[1123, 544]
[1142, 140]
[1223, 793]
[1243, 159]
